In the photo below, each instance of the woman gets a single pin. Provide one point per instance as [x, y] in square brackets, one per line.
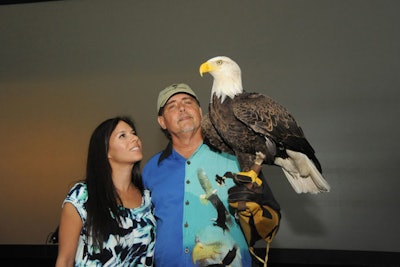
[107, 219]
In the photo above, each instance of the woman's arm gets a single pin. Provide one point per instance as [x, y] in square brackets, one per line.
[68, 236]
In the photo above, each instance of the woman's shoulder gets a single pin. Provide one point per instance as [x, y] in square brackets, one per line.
[78, 192]
[79, 186]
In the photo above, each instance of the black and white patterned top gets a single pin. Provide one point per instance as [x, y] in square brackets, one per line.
[131, 244]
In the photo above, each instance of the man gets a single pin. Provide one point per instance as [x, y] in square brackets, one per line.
[194, 225]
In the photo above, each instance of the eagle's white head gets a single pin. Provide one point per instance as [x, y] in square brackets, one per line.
[227, 77]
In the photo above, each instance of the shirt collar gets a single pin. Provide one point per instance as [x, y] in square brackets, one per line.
[168, 151]
[165, 153]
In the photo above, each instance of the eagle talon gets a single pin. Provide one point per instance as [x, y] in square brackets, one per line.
[249, 177]
[252, 175]
[220, 179]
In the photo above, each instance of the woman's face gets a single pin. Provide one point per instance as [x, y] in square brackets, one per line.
[124, 146]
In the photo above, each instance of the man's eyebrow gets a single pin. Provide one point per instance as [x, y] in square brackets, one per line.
[170, 102]
[183, 98]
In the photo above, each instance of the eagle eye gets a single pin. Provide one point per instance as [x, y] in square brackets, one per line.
[219, 62]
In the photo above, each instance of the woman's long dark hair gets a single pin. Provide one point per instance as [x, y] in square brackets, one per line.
[103, 199]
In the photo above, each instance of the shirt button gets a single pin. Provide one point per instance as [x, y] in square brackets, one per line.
[188, 162]
[188, 181]
[186, 250]
[187, 202]
[186, 225]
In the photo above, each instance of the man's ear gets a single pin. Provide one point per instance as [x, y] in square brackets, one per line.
[161, 122]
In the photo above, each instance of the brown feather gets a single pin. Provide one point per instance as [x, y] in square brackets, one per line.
[243, 122]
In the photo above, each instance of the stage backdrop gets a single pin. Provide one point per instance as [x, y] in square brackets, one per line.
[65, 66]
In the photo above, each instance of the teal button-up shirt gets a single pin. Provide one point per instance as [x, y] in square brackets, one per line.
[194, 225]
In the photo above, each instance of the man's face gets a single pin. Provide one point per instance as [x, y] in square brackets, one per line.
[181, 114]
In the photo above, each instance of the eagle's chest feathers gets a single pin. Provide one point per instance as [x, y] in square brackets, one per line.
[231, 130]
[222, 112]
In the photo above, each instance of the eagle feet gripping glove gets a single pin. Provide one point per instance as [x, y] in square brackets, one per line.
[249, 178]
[257, 220]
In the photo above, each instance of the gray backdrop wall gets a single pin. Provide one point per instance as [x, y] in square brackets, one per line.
[65, 66]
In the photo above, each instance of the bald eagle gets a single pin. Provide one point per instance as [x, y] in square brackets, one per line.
[244, 123]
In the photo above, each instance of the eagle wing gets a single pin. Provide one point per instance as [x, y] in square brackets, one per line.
[267, 117]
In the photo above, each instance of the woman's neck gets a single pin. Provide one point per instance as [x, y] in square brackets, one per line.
[122, 177]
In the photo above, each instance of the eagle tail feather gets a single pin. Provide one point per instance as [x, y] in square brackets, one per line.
[300, 185]
[302, 174]
[300, 142]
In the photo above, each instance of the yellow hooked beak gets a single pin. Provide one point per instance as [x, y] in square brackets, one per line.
[205, 67]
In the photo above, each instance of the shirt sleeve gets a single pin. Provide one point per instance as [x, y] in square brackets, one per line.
[78, 196]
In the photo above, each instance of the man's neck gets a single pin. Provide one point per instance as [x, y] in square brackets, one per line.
[187, 144]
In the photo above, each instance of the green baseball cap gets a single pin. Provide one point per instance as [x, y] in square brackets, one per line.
[171, 90]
